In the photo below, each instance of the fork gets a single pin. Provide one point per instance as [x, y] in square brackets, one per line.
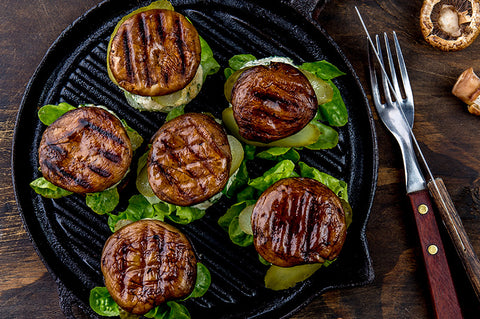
[397, 113]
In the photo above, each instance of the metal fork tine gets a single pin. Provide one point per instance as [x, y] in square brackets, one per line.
[403, 69]
[386, 89]
[407, 104]
[393, 73]
[373, 80]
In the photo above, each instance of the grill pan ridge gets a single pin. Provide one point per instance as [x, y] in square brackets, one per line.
[69, 237]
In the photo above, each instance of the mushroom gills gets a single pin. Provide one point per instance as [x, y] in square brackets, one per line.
[450, 25]
[449, 21]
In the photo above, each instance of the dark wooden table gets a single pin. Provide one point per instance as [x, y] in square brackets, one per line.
[447, 133]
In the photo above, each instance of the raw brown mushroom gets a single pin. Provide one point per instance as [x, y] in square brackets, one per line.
[450, 25]
[467, 89]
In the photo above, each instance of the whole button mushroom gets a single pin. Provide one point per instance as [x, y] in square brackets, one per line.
[467, 89]
[450, 25]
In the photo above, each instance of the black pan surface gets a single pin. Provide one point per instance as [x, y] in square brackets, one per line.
[69, 237]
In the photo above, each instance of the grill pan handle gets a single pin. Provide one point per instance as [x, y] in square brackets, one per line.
[310, 9]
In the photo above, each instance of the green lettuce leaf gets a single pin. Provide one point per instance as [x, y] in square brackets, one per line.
[334, 112]
[322, 69]
[204, 279]
[179, 214]
[225, 220]
[283, 169]
[328, 137]
[240, 179]
[102, 303]
[50, 113]
[169, 310]
[135, 138]
[43, 187]
[236, 62]
[339, 187]
[229, 222]
[249, 151]
[138, 208]
[279, 154]
[248, 193]
[179, 110]
[208, 62]
[103, 202]
[237, 235]
[263, 261]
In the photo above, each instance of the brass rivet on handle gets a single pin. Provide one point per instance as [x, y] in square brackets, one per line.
[423, 209]
[432, 249]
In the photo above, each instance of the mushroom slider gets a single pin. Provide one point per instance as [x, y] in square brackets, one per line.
[298, 221]
[154, 56]
[273, 101]
[147, 263]
[86, 150]
[450, 25]
[189, 160]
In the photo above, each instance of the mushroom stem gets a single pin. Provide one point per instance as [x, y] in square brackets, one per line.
[467, 89]
[448, 21]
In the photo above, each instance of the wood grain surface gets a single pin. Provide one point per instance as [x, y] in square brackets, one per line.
[447, 133]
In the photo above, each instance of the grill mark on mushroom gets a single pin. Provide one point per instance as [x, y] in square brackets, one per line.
[271, 102]
[66, 175]
[128, 55]
[209, 140]
[172, 181]
[110, 156]
[190, 160]
[86, 150]
[160, 31]
[147, 263]
[162, 51]
[144, 44]
[297, 221]
[276, 99]
[108, 135]
[57, 149]
[99, 171]
[179, 43]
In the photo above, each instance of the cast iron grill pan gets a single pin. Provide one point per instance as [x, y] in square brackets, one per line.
[69, 237]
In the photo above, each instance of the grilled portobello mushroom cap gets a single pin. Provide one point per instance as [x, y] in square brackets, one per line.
[189, 160]
[273, 101]
[86, 150]
[147, 263]
[298, 221]
[154, 53]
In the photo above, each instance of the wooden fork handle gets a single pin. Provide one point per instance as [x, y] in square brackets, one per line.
[457, 232]
[442, 290]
